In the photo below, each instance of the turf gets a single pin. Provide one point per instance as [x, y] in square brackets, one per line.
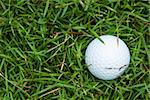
[43, 42]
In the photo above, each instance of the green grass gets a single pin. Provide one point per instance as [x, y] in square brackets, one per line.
[43, 42]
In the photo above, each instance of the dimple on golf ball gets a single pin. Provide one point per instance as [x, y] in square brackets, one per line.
[107, 60]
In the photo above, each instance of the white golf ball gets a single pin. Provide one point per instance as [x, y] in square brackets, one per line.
[107, 60]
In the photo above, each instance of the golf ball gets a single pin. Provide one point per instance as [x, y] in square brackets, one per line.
[107, 60]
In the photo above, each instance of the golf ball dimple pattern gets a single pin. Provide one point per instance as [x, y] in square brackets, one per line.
[107, 60]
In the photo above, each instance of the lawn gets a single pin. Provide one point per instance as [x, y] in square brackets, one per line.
[43, 43]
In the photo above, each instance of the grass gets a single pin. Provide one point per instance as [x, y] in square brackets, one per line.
[42, 46]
